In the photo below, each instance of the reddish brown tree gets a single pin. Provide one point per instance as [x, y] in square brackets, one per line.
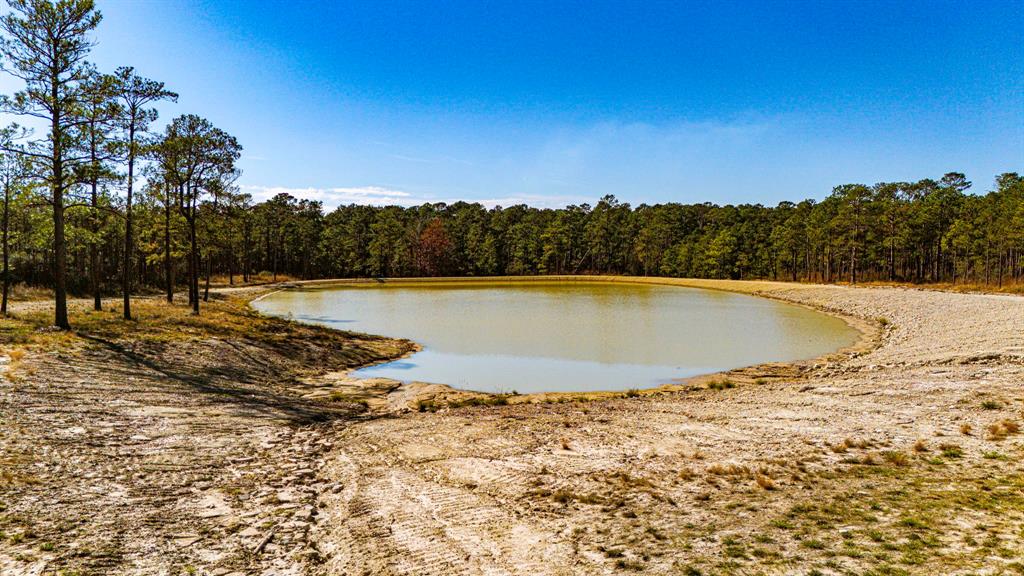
[434, 249]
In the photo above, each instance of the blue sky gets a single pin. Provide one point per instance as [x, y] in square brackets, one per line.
[561, 102]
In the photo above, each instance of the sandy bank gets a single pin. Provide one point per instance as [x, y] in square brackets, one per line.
[883, 458]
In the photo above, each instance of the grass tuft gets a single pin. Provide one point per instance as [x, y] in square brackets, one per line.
[721, 384]
[765, 481]
[950, 450]
[896, 458]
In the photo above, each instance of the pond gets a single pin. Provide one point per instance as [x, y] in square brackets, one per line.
[553, 336]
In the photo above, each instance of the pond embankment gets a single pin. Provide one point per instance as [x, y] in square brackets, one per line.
[208, 446]
[900, 456]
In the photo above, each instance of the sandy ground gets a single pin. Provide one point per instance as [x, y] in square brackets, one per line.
[902, 457]
[194, 455]
[669, 483]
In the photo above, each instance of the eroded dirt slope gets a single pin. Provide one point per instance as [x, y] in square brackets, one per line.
[169, 453]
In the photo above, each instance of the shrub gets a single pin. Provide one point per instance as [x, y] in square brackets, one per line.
[896, 458]
[721, 384]
[951, 450]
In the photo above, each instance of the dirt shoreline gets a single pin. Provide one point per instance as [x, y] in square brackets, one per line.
[219, 455]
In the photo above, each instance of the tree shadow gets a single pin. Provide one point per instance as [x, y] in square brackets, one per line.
[237, 378]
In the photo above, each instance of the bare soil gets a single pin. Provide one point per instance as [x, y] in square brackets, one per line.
[258, 455]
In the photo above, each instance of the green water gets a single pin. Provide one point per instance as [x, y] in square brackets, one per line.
[552, 336]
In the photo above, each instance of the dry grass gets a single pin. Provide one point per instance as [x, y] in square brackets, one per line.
[972, 288]
[221, 280]
[896, 458]
[728, 470]
[24, 293]
[721, 384]
[1000, 430]
[154, 320]
[966, 429]
[764, 481]
[920, 446]
[950, 450]
[849, 443]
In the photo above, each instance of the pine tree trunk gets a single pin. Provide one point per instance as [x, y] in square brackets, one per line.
[126, 278]
[168, 266]
[6, 249]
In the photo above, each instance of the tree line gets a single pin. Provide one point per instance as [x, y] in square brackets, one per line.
[920, 232]
[98, 202]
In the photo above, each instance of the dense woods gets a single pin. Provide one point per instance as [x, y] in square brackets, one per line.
[926, 231]
[99, 201]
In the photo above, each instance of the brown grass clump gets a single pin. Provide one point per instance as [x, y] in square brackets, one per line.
[632, 481]
[848, 443]
[721, 384]
[950, 450]
[966, 429]
[728, 470]
[687, 474]
[920, 446]
[765, 481]
[896, 458]
[1000, 430]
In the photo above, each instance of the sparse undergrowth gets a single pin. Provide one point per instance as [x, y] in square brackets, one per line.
[916, 510]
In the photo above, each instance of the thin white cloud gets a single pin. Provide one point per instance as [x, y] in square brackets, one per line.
[380, 196]
[535, 200]
[333, 197]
